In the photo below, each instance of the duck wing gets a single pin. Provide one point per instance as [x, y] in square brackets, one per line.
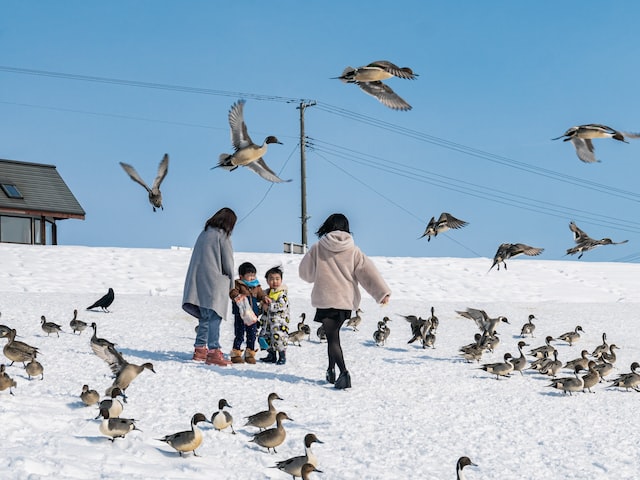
[520, 248]
[584, 149]
[579, 236]
[239, 136]
[384, 94]
[448, 220]
[260, 167]
[109, 354]
[163, 168]
[400, 72]
[134, 175]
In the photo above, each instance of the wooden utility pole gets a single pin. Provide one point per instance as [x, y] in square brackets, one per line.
[303, 173]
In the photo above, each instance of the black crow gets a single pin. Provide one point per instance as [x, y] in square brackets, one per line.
[104, 302]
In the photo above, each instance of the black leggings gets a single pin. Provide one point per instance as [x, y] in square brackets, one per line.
[332, 320]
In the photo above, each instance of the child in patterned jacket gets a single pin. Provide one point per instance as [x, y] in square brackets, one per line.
[275, 320]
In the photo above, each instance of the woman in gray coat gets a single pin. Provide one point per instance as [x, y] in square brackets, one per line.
[206, 288]
[336, 267]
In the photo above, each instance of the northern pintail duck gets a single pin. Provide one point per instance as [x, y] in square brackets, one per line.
[610, 356]
[89, 396]
[582, 135]
[112, 404]
[547, 348]
[569, 384]
[445, 222]
[17, 351]
[76, 324]
[529, 327]
[49, 327]
[116, 427]
[188, 440]
[354, 321]
[429, 337]
[585, 243]
[492, 342]
[272, 437]
[369, 79]
[306, 470]
[500, 369]
[303, 327]
[4, 331]
[6, 381]
[571, 337]
[604, 368]
[629, 380]
[222, 419]
[104, 302]
[321, 334]
[293, 466]
[552, 367]
[100, 346]
[433, 320]
[295, 338]
[520, 363]
[266, 418]
[473, 352]
[509, 250]
[34, 368]
[126, 373]
[591, 378]
[460, 464]
[482, 319]
[583, 361]
[246, 153]
[603, 347]
[155, 196]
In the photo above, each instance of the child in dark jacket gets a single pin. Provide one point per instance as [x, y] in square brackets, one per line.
[246, 295]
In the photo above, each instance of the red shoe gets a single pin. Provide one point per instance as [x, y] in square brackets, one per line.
[200, 354]
[215, 357]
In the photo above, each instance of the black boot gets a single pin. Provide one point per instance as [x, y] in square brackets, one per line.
[282, 358]
[344, 380]
[270, 358]
[331, 375]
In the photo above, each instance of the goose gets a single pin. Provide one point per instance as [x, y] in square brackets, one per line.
[306, 470]
[88, 396]
[583, 361]
[610, 356]
[266, 418]
[629, 380]
[112, 405]
[17, 351]
[484, 323]
[445, 222]
[509, 250]
[246, 153]
[272, 437]
[591, 378]
[520, 363]
[585, 243]
[500, 369]
[571, 337]
[50, 327]
[188, 440]
[155, 196]
[528, 328]
[104, 302]
[369, 79]
[547, 348]
[77, 325]
[552, 367]
[303, 327]
[6, 381]
[581, 135]
[293, 466]
[221, 419]
[603, 347]
[354, 321]
[34, 368]
[115, 427]
[569, 384]
[460, 464]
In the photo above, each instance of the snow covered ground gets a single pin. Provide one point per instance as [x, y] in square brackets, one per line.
[410, 414]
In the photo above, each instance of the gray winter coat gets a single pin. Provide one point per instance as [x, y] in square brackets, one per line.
[210, 274]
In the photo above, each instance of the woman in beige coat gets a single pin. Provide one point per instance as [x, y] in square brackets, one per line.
[336, 266]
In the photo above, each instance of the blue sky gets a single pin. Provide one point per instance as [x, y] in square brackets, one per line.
[497, 81]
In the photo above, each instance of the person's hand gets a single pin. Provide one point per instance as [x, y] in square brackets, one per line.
[385, 300]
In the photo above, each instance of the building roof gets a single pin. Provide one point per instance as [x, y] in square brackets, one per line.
[42, 190]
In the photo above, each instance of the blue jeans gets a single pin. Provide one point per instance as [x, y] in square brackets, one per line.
[208, 329]
[240, 330]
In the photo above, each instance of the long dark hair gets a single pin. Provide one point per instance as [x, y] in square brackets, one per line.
[335, 221]
[224, 219]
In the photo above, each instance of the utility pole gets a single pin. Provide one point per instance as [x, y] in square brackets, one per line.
[303, 172]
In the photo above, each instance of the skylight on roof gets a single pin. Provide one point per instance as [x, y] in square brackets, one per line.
[10, 190]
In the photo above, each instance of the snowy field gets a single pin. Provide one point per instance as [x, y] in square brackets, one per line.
[410, 414]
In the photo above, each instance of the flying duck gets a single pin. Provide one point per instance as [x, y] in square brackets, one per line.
[585, 243]
[369, 79]
[246, 153]
[155, 196]
[582, 135]
[445, 222]
[509, 250]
